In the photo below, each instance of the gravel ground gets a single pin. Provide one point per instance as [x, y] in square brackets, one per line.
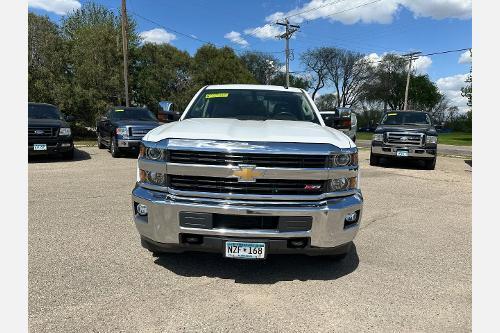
[410, 269]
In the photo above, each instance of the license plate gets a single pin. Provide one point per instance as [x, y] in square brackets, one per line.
[402, 153]
[243, 250]
[39, 147]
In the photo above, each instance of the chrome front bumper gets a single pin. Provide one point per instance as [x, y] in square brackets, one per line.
[162, 224]
[413, 152]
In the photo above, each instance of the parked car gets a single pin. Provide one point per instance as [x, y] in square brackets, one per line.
[122, 128]
[405, 135]
[249, 170]
[342, 119]
[167, 112]
[48, 131]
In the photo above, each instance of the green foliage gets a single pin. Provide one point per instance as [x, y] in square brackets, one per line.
[264, 67]
[161, 72]
[219, 66]
[326, 102]
[295, 81]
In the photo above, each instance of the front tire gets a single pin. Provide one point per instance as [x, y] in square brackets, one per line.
[374, 160]
[115, 151]
[430, 164]
[100, 145]
[68, 155]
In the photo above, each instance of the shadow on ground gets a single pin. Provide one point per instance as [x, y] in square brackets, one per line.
[274, 269]
[412, 164]
[80, 155]
[468, 162]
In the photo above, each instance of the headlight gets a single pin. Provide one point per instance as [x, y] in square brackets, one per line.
[342, 184]
[121, 131]
[155, 178]
[378, 137]
[341, 160]
[431, 139]
[65, 131]
[151, 153]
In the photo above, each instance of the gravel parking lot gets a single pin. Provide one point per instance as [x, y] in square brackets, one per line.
[410, 269]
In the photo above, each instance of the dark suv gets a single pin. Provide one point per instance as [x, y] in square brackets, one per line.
[405, 135]
[122, 128]
[48, 131]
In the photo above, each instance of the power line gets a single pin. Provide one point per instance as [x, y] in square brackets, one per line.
[315, 8]
[348, 9]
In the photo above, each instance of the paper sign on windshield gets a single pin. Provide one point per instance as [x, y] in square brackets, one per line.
[217, 95]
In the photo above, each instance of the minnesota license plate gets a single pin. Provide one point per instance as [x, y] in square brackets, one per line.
[402, 153]
[244, 250]
[39, 147]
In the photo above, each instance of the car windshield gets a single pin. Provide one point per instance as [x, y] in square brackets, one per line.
[252, 105]
[43, 111]
[406, 118]
[132, 114]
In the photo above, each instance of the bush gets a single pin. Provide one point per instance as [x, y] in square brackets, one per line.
[82, 132]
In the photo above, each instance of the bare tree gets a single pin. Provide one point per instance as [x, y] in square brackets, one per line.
[315, 61]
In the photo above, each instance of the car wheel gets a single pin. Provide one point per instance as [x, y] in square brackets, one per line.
[374, 160]
[430, 164]
[68, 155]
[100, 145]
[115, 152]
[354, 139]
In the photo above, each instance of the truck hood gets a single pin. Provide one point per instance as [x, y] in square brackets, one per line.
[427, 129]
[47, 122]
[250, 131]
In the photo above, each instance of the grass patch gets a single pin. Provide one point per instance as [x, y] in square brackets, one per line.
[454, 138]
[84, 142]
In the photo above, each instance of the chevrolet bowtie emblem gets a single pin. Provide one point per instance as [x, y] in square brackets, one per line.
[246, 173]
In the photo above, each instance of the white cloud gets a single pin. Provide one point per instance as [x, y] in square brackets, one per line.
[59, 7]
[465, 58]
[450, 86]
[267, 31]
[380, 12]
[421, 64]
[157, 36]
[236, 38]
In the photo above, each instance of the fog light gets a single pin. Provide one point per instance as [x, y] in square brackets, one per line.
[352, 217]
[339, 184]
[155, 178]
[142, 209]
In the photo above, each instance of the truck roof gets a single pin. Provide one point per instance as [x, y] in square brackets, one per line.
[252, 87]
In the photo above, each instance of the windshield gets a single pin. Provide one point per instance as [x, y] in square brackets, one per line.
[132, 114]
[252, 105]
[43, 111]
[406, 118]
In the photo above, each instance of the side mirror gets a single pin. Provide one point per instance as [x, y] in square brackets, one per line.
[104, 118]
[70, 118]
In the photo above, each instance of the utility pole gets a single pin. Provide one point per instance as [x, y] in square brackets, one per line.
[125, 51]
[410, 60]
[290, 29]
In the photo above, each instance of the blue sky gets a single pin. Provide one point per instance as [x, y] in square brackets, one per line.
[374, 27]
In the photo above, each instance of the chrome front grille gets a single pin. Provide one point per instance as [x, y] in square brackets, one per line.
[403, 138]
[260, 186]
[42, 132]
[259, 160]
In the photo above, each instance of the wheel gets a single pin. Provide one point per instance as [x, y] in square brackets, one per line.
[68, 155]
[100, 145]
[430, 164]
[374, 160]
[354, 139]
[115, 152]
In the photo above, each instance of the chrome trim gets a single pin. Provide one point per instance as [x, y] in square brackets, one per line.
[327, 227]
[411, 151]
[250, 147]
[387, 134]
[279, 197]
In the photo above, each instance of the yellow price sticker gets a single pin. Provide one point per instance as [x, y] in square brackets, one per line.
[217, 95]
[392, 114]
[119, 110]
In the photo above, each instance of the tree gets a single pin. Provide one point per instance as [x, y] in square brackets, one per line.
[348, 71]
[467, 90]
[388, 82]
[219, 66]
[326, 102]
[46, 60]
[93, 38]
[161, 72]
[295, 81]
[315, 61]
[263, 66]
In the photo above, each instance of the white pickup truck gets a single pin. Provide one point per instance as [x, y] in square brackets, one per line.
[248, 170]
